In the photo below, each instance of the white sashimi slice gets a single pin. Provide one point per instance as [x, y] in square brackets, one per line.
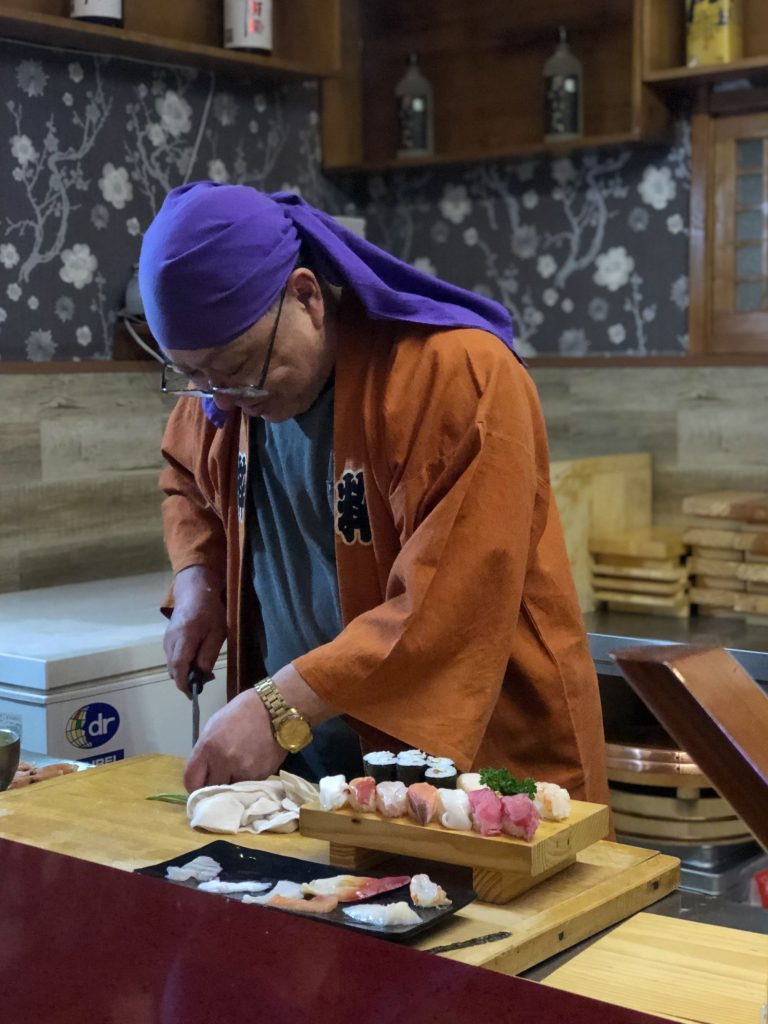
[202, 869]
[383, 914]
[334, 792]
[453, 809]
[291, 890]
[426, 893]
[215, 885]
[469, 781]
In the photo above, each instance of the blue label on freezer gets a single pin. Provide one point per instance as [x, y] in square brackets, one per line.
[113, 755]
[92, 725]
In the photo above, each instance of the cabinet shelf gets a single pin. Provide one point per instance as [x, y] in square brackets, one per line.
[187, 34]
[684, 77]
[511, 152]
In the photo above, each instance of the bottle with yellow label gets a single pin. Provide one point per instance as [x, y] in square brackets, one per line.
[713, 31]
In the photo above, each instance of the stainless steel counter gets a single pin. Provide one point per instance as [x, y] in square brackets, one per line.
[608, 631]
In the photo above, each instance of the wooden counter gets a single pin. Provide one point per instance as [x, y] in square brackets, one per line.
[103, 815]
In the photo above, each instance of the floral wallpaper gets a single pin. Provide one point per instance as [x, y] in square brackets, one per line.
[90, 146]
[588, 252]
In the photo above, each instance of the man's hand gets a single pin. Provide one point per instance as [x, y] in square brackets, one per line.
[198, 626]
[236, 744]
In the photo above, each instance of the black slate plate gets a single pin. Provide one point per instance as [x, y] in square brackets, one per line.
[239, 864]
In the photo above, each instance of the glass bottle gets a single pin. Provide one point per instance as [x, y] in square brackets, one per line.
[415, 112]
[563, 94]
[101, 12]
[248, 25]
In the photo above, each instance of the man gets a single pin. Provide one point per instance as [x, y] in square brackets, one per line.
[426, 595]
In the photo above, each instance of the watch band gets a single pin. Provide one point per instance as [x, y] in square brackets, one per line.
[275, 703]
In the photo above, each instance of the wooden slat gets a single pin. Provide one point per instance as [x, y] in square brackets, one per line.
[676, 968]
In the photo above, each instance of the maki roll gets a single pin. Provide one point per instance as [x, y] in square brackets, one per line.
[410, 767]
[380, 765]
[442, 775]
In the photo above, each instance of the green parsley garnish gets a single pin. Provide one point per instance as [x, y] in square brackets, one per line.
[504, 783]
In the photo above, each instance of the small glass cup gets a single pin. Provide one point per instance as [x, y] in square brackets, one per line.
[10, 752]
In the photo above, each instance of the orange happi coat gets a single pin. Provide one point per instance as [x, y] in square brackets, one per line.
[462, 633]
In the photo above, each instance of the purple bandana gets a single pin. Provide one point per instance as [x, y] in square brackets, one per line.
[215, 257]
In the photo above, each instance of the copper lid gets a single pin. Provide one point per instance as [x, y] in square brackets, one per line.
[716, 712]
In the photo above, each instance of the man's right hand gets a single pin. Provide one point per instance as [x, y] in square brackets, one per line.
[198, 625]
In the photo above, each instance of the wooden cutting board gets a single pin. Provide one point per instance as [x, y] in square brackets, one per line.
[103, 815]
[674, 968]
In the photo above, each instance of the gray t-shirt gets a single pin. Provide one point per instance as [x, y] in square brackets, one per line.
[292, 550]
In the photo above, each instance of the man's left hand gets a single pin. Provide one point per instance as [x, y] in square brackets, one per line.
[236, 744]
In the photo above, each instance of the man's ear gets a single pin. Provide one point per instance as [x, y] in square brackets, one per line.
[306, 289]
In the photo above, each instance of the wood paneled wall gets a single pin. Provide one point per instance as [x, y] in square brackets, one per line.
[705, 427]
[79, 459]
[79, 454]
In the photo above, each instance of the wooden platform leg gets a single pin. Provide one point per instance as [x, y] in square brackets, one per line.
[356, 858]
[503, 886]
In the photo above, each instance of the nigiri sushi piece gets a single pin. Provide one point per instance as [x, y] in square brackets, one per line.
[486, 812]
[334, 792]
[282, 888]
[422, 802]
[349, 888]
[519, 816]
[426, 893]
[215, 885]
[362, 794]
[454, 809]
[391, 799]
[314, 905]
[383, 914]
[469, 781]
[552, 801]
[201, 869]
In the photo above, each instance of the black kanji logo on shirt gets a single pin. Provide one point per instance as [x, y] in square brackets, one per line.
[352, 521]
[241, 468]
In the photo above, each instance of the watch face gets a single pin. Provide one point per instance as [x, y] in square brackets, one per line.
[293, 733]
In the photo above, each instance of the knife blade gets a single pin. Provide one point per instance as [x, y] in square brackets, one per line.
[196, 682]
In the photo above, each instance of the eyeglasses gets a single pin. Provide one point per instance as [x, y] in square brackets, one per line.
[177, 383]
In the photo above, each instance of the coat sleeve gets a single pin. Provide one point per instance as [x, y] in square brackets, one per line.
[192, 522]
[469, 496]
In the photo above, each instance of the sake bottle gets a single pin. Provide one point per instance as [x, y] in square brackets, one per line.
[102, 12]
[563, 94]
[415, 112]
[248, 25]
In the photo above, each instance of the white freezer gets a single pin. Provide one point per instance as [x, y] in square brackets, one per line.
[82, 671]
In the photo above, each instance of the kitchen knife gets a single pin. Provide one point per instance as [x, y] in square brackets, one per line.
[196, 682]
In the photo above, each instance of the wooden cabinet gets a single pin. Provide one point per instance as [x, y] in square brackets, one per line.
[664, 39]
[306, 34]
[485, 63]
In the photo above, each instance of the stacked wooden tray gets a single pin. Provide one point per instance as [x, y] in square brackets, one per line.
[728, 535]
[641, 571]
[660, 794]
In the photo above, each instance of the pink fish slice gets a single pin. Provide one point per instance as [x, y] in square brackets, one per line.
[351, 888]
[422, 802]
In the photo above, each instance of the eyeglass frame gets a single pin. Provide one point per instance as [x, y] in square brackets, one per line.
[247, 391]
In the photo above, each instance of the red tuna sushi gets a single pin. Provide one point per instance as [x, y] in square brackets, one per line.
[486, 812]
[519, 816]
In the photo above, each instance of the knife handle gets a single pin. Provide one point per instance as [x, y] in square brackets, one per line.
[195, 679]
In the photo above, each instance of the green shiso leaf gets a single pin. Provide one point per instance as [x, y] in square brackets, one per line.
[504, 783]
[170, 798]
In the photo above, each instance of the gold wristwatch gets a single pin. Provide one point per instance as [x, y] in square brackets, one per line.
[292, 730]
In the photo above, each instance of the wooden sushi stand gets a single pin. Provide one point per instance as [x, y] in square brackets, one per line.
[77, 926]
